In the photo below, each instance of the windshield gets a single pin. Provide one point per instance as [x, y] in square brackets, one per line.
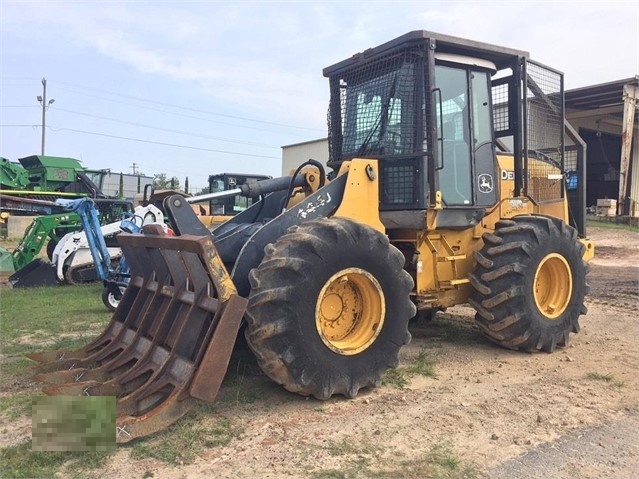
[216, 185]
[379, 115]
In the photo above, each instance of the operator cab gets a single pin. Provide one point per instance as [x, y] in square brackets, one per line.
[432, 108]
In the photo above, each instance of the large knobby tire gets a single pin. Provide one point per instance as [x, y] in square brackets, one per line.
[110, 300]
[530, 283]
[329, 308]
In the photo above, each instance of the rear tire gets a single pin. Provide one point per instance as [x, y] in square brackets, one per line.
[530, 283]
[329, 308]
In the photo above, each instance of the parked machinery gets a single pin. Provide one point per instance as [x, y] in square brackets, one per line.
[30, 270]
[28, 188]
[73, 257]
[85, 256]
[447, 186]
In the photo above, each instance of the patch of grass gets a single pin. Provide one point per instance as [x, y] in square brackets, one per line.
[15, 405]
[238, 391]
[14, 367]
[244, 382]
[357, 457]
[21, 462]
[184, 440]
[422, 366]
[611, 225]
[454, 331]
[36, 319]
[608, 378]
[52, 312]
[442, 456]
[439, 463]
[72, 343]
[395, 378]
[347, 446]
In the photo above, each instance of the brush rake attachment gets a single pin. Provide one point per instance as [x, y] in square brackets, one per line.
[169, 341]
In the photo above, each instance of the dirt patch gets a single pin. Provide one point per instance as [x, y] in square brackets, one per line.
[485, 404]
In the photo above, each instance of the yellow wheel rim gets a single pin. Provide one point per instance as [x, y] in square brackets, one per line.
[350, 311]
[553, 285]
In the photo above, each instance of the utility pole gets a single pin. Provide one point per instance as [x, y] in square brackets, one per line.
[45, 106]
[134, 167]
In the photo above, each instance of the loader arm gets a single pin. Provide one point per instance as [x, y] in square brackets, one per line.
[93, 233]
[240, 241]
[42, 229]
[322, 203]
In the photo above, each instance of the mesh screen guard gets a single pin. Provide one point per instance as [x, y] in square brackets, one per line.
[544, 138]
[372, 110]
[375, 112]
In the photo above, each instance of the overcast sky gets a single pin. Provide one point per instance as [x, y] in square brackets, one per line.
[192, 88]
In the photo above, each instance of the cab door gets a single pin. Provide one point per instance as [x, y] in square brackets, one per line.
[466, 165]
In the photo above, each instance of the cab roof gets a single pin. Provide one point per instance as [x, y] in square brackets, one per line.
[502, 57]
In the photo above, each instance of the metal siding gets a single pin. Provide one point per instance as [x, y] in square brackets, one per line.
[111, 184]
[295, 155]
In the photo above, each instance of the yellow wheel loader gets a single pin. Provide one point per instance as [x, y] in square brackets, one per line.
[447, 184]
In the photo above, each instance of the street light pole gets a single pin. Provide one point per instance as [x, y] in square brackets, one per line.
[43, 101]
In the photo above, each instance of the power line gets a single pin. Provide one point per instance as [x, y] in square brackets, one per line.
[181, 132]
[143, 141]
[179, 107]
[76, 87]
[188, 147]
[175, 172]
[209, 120]
[175, 114]
[164, 143]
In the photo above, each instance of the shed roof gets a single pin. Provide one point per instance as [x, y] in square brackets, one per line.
[604, 98]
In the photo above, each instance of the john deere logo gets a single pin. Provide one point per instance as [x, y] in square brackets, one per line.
[485, 183]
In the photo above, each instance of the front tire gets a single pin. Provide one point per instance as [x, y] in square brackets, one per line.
[51, 248]
[329, 308]
[110, 299]
[530, 283]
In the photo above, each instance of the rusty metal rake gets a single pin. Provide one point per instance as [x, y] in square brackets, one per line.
[169, 341]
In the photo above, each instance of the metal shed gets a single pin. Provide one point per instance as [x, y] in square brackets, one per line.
[606, 117]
